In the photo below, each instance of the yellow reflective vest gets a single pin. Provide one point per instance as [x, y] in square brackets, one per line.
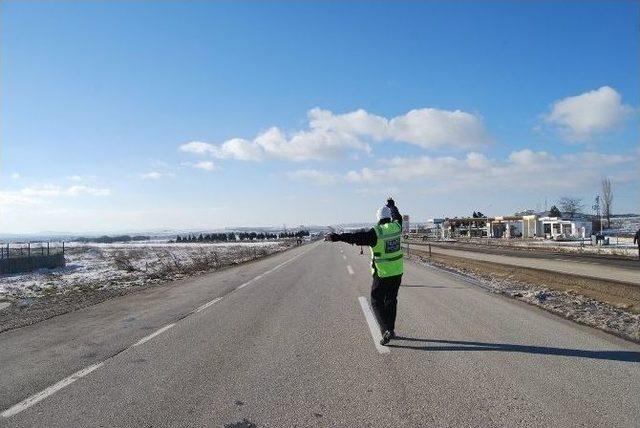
[386, 256]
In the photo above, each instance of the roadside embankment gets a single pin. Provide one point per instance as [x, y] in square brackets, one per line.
[626, 252]
[598, 268]
[607, 305]
[95, 273]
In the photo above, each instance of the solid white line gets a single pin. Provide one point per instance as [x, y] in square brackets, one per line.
[350, 269]
[206, 305]
[152, 335]
[28, 402]
[373, 325]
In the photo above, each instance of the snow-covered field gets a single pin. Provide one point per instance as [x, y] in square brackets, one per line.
[103, 266]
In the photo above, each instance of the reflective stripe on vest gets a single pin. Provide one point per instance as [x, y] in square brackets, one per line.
[386, 256]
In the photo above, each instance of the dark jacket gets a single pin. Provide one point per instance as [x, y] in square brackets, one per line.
[636, 239]
[368, 237]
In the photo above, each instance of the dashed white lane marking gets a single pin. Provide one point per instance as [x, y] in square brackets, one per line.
[30, 401]
[344, 257]
[273, 269]
[152, 335]
[206, 305]
[373, 325]
[350, 269]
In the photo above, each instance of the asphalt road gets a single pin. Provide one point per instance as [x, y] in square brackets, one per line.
[288, 344]
[599, 269]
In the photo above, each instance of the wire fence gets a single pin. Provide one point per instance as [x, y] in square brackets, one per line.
[30, 249]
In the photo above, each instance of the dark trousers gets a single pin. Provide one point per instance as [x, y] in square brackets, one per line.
[384, 300]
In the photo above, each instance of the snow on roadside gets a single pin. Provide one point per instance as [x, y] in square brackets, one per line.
[617, 246]
[572, 306]
[110, 266]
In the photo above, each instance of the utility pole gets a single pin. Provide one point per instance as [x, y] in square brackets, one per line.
[596, 208]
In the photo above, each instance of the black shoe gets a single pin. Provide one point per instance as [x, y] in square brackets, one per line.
[386, 337]
[393, 334]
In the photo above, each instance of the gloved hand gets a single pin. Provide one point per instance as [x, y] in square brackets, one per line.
[390, 202]
[331, 237]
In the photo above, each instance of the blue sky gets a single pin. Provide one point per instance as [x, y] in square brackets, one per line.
[139, 115]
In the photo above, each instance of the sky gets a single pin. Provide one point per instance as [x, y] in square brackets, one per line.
[145, 115]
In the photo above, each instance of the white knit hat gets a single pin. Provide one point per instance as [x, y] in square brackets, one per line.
[384, 212]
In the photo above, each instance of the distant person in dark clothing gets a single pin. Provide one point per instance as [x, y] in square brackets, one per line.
[636, 240]
[386, 264]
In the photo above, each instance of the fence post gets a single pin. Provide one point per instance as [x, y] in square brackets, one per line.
[29, 249]
[63, 248]
[429, 251]
[48, 248]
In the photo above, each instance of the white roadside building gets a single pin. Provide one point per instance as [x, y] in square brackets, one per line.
[555, 227]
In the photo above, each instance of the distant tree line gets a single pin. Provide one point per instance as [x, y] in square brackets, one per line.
[240, 236]
[111, 239]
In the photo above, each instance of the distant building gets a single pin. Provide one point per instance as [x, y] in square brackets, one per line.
[516, 226]
[555, 227]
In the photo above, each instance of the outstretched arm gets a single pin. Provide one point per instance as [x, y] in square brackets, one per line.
[395, 213]
[368, 238]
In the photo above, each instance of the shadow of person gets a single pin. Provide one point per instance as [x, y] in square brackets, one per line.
[458, 345]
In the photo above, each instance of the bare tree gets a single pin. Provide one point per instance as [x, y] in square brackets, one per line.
[607, 200]
[571, 206]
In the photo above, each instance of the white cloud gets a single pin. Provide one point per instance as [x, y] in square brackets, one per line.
[431, 128]
[240, 149]
[74, 178]
[332, 136]
[155, 175]
[315, 176]
[358, 122]
[206, 165]
[477, 161]
[42, 190]
[584, 116]
[15, 176]
[522, 169]
[80, 190]
[35, 195]
[12, 198]
[197, 147]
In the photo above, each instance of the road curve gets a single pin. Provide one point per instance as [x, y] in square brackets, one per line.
[285, 342]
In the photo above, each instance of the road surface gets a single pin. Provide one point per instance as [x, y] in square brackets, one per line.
[630, 273]
[285, 341]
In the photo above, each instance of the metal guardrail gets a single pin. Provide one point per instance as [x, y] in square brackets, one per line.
[407, 246]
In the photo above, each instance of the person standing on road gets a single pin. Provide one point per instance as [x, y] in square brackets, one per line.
[636, 240]
[386, 264]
